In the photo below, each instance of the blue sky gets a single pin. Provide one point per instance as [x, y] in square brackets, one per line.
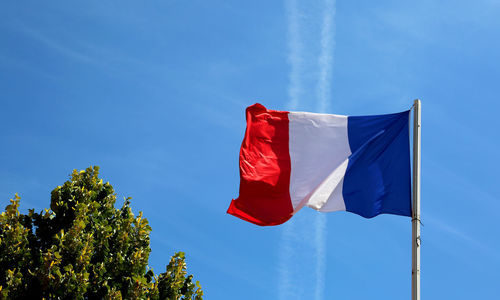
[154, 93]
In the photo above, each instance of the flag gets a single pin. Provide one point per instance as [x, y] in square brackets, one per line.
[288, 160]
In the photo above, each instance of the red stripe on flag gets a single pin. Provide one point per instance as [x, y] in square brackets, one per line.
[264, 169]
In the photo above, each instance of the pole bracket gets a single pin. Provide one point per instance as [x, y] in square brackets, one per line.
[419, 221]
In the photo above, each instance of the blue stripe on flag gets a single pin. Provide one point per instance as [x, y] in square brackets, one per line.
[377, 179]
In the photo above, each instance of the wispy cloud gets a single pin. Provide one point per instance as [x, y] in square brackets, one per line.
[16, 64]
[78, 50]
[325, 60]
[320, 241]
[325, 64]
[295, 59]
[57, 46]
[285, 285]
[461, 237]
[292, 234]
[295, 48]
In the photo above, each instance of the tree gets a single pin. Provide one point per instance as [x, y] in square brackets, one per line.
[84, 248]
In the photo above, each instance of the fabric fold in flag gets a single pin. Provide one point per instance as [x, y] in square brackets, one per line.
[289, 160]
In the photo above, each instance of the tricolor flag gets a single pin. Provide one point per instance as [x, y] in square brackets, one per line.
[289, 160]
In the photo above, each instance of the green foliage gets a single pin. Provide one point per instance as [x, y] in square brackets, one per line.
[84, 248]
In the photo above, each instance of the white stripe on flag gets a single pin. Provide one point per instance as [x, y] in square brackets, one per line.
[319, 151]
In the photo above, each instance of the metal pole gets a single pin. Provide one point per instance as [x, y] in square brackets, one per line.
[415, 221]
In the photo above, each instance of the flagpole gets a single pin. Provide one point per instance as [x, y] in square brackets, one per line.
[415, 221]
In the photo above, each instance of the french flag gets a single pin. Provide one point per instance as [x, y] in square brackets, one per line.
[289, 160]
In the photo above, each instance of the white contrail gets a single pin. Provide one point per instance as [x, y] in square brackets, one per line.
[295, 54]
[285, 285]
[325, 63]
[295, 234]
[320, 241]
[325, 60]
